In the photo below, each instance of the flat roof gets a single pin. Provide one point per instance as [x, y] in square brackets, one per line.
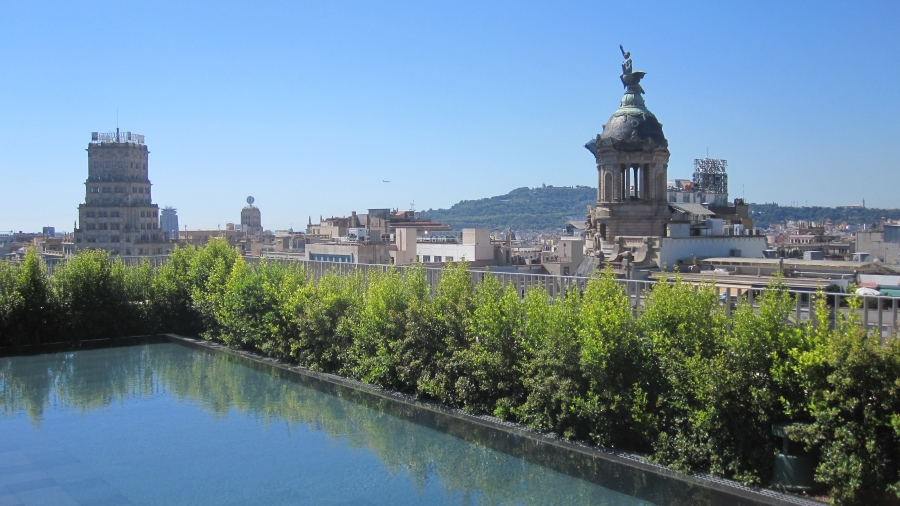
[790, 262]
[691, 208]
[743, 280]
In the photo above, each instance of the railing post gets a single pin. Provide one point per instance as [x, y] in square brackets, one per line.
[728, 302]
[894, 331]
[813, 317]
[866, 314]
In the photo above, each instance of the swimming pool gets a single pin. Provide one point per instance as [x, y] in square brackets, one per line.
[169, 424]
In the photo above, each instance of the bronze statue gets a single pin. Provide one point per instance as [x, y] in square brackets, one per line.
[630, 80]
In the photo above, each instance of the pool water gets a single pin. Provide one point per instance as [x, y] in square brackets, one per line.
[166, 424]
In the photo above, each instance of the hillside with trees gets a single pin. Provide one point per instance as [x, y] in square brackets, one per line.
[549, 208]
[543, 208]
[767, 214]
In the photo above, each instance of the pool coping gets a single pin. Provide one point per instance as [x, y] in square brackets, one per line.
[706, 480]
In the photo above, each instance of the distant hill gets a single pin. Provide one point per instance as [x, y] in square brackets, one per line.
[549, 208]
[521, 209]
[765, 214]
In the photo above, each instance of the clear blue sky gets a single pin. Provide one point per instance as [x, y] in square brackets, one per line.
[308, 106]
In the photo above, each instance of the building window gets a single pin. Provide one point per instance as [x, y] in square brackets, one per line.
[94, 189]
[114, 238]
[437, 258]
[426, 258]
[102, 238]
[449, 259]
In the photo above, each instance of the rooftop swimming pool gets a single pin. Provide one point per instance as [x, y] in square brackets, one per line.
[170, 424]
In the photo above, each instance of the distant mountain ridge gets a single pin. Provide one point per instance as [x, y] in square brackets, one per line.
[549, 208]
[544, 208]
[765, 214]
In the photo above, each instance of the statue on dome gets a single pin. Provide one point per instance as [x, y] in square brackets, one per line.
[630, 80]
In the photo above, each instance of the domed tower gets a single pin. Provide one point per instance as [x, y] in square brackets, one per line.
[251, 218]
[632, 159]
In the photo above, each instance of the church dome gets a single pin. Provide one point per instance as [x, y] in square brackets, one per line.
[633, 127]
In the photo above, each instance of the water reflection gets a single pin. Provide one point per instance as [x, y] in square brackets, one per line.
[480, 472]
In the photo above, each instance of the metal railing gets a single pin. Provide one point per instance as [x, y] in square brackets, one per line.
[878, 314]
[154, 260]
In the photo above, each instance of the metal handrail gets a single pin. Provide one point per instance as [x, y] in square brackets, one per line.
[883, 317]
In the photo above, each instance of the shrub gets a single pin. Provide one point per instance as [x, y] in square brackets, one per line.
[11, 304]
[28, 303]
[551, 374]
[95, 297]
[209, 271]
[171, 307]
[374, 356]
[325, 315]
[492, 381]
[612, 358]
[252, 313]
[854, 384]
[447, 323]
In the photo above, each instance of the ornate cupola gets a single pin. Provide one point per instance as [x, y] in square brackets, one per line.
[632, 158]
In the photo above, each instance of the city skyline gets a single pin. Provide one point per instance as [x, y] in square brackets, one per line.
[311, 109]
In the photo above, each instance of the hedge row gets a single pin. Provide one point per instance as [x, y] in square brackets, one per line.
[681, 383]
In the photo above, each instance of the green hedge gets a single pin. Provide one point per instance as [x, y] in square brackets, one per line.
[680, 383]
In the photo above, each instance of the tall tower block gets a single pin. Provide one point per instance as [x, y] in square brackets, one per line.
[118, 214]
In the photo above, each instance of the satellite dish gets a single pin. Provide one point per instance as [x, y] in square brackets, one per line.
[250, 200]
